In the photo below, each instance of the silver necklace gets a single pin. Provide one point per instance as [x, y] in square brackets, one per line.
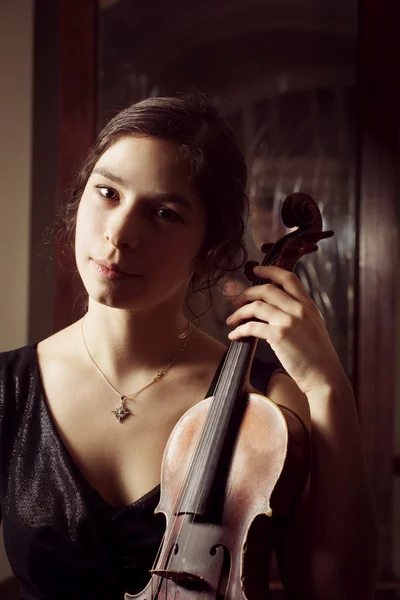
[122, 412]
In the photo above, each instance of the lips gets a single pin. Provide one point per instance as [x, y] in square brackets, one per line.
[111, 270]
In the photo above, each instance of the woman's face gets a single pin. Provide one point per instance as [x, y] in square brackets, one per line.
[139, 226]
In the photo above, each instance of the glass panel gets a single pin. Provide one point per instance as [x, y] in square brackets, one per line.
[283, 74]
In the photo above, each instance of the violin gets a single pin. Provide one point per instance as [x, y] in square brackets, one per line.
[234, 466]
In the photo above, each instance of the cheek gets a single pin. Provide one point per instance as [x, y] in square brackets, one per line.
[172, 262]
[186, 249]
[86, 227]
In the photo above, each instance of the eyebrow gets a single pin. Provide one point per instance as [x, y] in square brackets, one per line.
[162, 196]
[108, 175]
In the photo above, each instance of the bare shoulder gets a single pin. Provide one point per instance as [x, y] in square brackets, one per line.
[285, 392]
[58, 340]
[59, 349]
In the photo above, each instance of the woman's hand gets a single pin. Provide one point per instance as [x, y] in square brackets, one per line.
[290, 322]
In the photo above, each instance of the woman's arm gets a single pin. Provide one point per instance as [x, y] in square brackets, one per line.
[331, 552]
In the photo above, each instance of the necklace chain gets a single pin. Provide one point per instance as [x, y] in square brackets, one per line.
[122, 411]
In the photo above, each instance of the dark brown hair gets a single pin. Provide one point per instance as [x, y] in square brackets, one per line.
[216, 164]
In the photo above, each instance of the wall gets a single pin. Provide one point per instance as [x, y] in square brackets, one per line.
[16, 40]
[16, 59]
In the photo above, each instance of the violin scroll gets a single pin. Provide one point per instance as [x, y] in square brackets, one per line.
[299, 210]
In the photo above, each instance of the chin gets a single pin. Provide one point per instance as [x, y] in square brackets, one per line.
[135, 295]
[118, 300]
[116, 295]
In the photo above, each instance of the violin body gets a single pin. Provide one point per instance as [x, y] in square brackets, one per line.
[227, 555]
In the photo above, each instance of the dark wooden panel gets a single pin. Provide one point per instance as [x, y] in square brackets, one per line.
[77, 28]
[44, 170]
[377, 240]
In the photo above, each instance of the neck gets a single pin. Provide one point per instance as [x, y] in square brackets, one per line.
[124, 342]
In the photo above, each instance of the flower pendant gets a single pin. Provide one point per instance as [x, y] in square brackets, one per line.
[121, 412]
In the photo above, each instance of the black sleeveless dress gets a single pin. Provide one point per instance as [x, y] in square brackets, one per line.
[63, 540]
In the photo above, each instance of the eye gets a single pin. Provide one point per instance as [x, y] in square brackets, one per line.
[107, 192]
[167, 214]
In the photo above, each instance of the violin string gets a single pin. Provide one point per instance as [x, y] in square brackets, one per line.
[183, 487]
[205, 428]
[159, 584]
[158, 553]
[214, 418]
[178, 505]
[210, 421]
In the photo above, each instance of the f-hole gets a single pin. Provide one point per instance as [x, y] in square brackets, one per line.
[226, 569]
[256, 558]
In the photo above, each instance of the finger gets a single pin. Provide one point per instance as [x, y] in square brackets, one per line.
[287, 279]
[257, 310]
[252, 328]
[269, 294]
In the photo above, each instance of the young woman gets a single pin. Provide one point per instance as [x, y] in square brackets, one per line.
[85, 415]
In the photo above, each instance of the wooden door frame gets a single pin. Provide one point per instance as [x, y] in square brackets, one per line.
[377, 251]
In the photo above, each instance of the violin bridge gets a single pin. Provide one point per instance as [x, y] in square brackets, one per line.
[182, 578]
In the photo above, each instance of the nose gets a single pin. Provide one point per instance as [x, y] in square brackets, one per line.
[123, 231]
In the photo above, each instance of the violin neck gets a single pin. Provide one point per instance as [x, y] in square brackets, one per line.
[210, 464]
